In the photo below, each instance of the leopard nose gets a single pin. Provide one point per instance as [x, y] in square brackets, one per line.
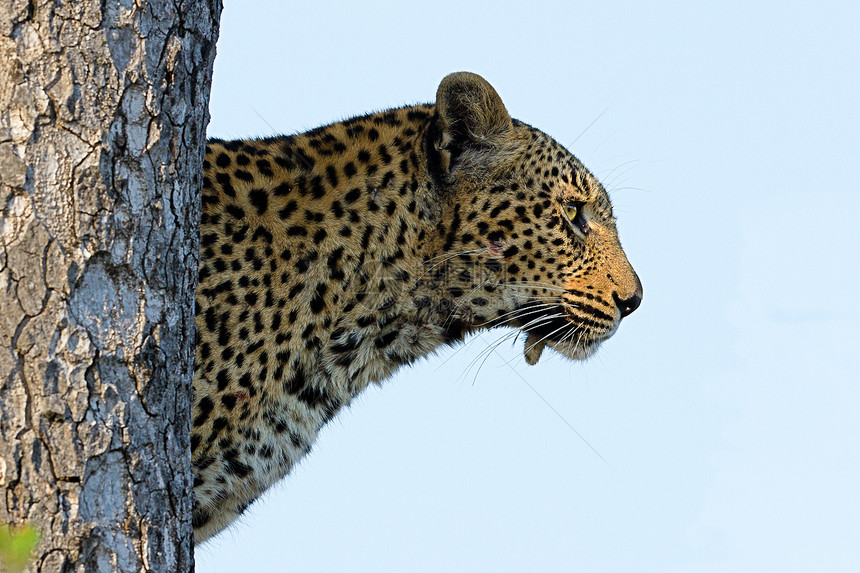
[628, 305]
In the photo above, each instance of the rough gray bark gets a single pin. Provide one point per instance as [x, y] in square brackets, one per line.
[103, 108]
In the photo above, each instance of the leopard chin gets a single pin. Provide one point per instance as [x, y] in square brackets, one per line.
[572, 350]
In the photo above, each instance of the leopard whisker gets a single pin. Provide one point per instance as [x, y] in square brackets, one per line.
[527, 308]
[548, 336]
[485, 353]
[519, 313]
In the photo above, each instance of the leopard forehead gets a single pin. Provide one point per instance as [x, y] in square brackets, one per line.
[544, 161]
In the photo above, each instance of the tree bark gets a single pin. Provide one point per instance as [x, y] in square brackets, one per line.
[103, 110]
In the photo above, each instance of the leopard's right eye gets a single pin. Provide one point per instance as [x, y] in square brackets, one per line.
[575, 215]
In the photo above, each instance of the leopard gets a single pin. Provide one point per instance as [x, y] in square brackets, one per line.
[330, 259]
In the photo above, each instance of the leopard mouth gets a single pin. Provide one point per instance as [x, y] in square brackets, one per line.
[577, 349]
[550, 325]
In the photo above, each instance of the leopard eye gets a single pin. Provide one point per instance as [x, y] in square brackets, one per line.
[574, 212]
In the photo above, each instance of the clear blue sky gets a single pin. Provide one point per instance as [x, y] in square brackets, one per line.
[727, 406]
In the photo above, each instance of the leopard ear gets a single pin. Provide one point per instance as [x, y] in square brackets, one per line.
[470, 114]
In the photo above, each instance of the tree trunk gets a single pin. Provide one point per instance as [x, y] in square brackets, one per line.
[103, 110]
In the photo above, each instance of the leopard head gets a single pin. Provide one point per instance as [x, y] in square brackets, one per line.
[529, 229]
